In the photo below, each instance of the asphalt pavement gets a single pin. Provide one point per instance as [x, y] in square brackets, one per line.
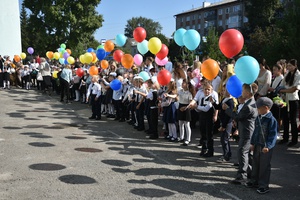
[50, 150]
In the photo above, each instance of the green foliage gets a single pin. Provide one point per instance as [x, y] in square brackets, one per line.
[24, 29]
[152, 28]
[62, 21]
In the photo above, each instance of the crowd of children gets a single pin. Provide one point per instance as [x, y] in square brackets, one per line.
[188, 94]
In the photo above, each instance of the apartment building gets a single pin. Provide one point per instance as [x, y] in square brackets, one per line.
[221, 15]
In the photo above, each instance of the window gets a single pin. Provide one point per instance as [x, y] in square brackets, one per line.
[236, 8]
[188, 18]
[199, 26]
[227, 10]
[181, 19]
[220, 11]
[205, 14]
[233, 19]
[220, 23]
[199, 16]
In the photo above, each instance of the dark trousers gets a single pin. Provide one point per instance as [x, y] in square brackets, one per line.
[119, 109]
[96, 106]
[153, 123]
[206, 132]
[261, 167]
[291, 117]
[65, 90]
[243, 158]
[140, 116]
[225, 143]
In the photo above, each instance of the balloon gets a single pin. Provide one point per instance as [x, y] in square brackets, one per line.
[30, 50]
[61, 61]
[161, 62]
[115, 84]
[17, 58]
[178, 36]
[104, 64]
[93, 70]
[69, 51]
[163, 52]
[191, 39]
[63, 46]
[247, 69]
[66, 61]
[139, 34]
[81, 58]
[88, 57]
[154, 45]
[49, 54]
[143, 47]
[234, 86]
[23, 55]
[71, 60]
[80, 72]
[164, 77]
[121, 40]
[109, 46]
[90, 50]
[118, 54]
[54, 74]
[100, 47]
[101, 54]
[107, 54]
[138, 59]
[210, 69]
[95, 59]
[231, 42]
[145, 76]
[56, 55]
[127, 61]
[66, 55]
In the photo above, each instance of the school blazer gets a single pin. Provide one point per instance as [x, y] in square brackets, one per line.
[245, 118]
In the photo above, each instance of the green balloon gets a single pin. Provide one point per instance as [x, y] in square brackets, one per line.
[63, 46]
[100, 47]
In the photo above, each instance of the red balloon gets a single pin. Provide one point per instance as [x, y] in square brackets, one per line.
[80, 72]
[231, 42]
[139, 34]
[163, 52]
[118, 54]
[164, 77]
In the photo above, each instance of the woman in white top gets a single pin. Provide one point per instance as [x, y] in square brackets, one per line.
[264, 79]
[291, 83]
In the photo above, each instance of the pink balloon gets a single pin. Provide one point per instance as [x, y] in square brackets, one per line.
[138, 59]
[161, 62]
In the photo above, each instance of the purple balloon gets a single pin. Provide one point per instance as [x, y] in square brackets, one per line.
[30, 50]
[66, 55]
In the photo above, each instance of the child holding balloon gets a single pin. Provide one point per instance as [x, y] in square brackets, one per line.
[94, 92]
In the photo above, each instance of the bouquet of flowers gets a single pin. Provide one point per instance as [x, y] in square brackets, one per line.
[279, 101]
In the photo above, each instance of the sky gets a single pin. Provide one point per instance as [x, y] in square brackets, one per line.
[116, 13]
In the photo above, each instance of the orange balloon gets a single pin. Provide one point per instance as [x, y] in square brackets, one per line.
[210, 69]
[17, 58]
[49, 54]
[94, 57]
[109, 46]
[69, 51]
[93, 70]
[127, 61]
[104, 64]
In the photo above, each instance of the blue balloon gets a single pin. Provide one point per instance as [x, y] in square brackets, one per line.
[90, 50]
[191, 39]
[234, 86]
[66, 62]
[145, 76]
[121, 40]
[115, 84]
[178, 36]
[247, 69]
[107, 54]
[101, 54]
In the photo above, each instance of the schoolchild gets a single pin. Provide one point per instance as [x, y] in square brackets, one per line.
[94, 93]
[139, 102]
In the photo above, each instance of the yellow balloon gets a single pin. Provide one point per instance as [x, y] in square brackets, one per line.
[23, 55]
[71, 60]
[154, 45]
[54, 74]
[81, 58]
[61, 55]
[88, 57]
[56, 55]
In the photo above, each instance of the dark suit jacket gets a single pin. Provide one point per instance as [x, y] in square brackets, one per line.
[245, 118]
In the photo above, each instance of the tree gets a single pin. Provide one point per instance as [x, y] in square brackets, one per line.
[62, 21]
[261, 13]
[24, 28]
[152, 28]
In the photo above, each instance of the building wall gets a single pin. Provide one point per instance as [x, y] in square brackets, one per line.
[222, 15]
[10, 31]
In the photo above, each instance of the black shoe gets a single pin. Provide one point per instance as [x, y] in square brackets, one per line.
[203, 152]
[238, 181]
[122, 120]
[282, 141]
[130, 122]
[262, 190]
[236, 164]
[251, 184]
[291, 144]
[92, 117]
[208, 154]
[98, 118]
[61, 100]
